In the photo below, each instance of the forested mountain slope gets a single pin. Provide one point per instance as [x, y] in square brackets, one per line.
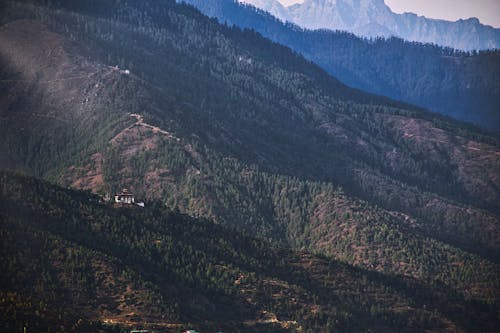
[72, 264]
[225, 124]
[461, 85]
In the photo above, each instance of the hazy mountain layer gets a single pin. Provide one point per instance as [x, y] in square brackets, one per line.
[373, 18]
[460, 85]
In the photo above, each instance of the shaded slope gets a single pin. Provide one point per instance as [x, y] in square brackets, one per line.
[155, 268]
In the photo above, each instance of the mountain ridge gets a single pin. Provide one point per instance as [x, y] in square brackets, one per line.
[458, 84]
[370, 18]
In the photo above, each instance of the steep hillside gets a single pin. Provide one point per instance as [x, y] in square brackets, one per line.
[461, 85]
[225, 124]
[373, 18]
[72, 264]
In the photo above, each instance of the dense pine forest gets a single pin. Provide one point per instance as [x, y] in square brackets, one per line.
[296, 183]
[68, 259]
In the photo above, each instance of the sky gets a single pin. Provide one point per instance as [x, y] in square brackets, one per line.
[488, 11]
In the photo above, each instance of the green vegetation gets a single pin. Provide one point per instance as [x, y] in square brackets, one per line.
[62, 249]
[241, 131]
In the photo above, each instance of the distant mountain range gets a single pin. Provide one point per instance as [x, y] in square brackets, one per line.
[373, 18]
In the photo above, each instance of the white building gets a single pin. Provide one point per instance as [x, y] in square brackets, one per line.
[125, 197]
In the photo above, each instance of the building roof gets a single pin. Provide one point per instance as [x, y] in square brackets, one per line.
[125, 192]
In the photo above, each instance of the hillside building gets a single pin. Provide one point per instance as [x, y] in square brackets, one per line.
[125, 197]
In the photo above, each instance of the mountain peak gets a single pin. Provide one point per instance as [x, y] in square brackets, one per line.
[373, 18]
[473, 20]
[348, 15]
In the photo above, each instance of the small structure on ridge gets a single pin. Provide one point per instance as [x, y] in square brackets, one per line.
[125, 197]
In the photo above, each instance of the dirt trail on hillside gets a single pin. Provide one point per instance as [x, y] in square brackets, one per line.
[155, 129]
